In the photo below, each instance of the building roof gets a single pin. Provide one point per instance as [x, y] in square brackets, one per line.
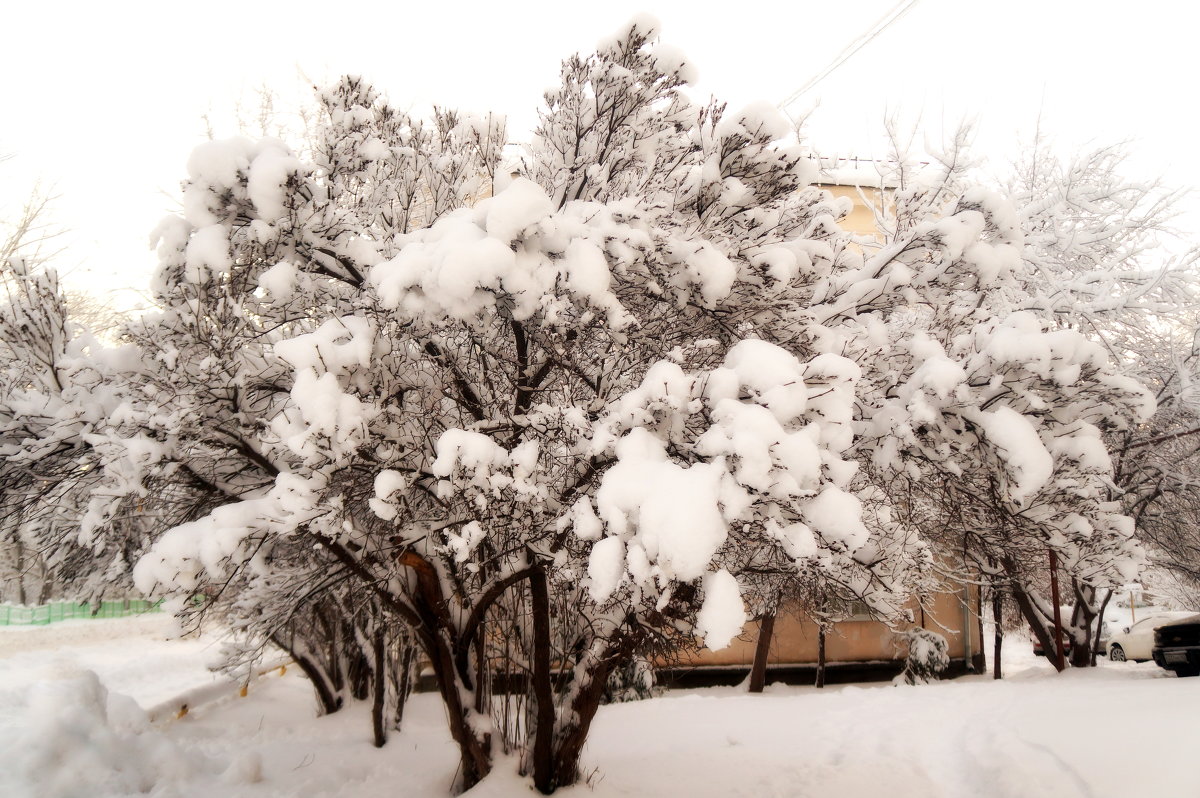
[857, 171]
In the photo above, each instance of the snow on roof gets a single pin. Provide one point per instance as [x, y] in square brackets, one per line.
[1190, 619]
[858, 171]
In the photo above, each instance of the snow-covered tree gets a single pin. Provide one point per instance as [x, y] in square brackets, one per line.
[1111, 262]
[1083, 282]
[926, 656]
[56, 393]
[1158, 464]
[544, 426]
[269, 248]
[1107, 260]
[550, 432]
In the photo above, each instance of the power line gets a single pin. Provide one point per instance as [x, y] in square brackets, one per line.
[883, 23]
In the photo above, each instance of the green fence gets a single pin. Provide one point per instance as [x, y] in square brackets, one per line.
[11, 615]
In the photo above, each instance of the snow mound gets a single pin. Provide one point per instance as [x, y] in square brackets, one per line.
[77, 739]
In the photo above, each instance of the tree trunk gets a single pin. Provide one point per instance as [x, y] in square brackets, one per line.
[20, 570]
[543, 689]
[327, 697]
[475, 759]
[379, 681]
[980, 664]
[403, 678]
[1060, 663]
[1081, 626]
[762, 651]
[584, 706]
[1098, 639]
[998, 631]
[46, 585]
[482, 687]
[820, 680]
[359, 672]
[334, 676]
[439, 637]
[1037, 623]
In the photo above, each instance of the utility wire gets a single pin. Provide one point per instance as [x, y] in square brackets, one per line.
[883, 23]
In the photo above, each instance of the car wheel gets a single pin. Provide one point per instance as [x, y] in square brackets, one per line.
[1187, 671]
[1116, 653]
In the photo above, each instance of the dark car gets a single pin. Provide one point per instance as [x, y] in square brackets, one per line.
[1177, 646]
[1037, 647]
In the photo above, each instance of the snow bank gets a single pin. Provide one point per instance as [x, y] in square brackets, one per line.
[75, 739]
[139, 656]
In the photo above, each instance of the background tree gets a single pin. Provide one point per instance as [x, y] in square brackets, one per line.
[1096, 259]
[55, 393]
[989, 390]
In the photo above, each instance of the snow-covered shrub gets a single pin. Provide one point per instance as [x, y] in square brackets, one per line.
[988, 415]
[927, 656]
[567, 419]
[570, 423]
[633, 681]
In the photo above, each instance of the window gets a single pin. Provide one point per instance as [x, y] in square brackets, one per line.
[858, 610]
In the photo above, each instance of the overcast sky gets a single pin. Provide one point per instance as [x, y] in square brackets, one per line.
[103, 101]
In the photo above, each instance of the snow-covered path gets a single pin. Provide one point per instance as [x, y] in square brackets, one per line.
[1105, 733]
[1120, 730]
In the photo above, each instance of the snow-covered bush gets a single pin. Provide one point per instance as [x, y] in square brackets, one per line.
[991, 424]
[561, 425]
[927, 656]
[633, 681]
[543, 426]
[58, 388]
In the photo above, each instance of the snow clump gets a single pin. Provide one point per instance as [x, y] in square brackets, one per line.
[80, 740]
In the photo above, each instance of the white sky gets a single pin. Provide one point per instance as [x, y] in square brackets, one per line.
[103, 101]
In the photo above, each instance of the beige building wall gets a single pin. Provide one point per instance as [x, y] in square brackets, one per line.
[952, 614]
[861, 219]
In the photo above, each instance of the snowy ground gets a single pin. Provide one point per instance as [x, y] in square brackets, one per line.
[1120, 730]
[131, 655]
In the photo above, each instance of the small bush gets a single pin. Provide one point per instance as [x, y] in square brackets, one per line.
[928, 656]
[633, 681]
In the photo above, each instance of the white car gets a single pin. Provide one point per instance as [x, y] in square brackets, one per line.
[1134, 642]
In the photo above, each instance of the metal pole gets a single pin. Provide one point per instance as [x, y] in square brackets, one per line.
[1058, 641]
